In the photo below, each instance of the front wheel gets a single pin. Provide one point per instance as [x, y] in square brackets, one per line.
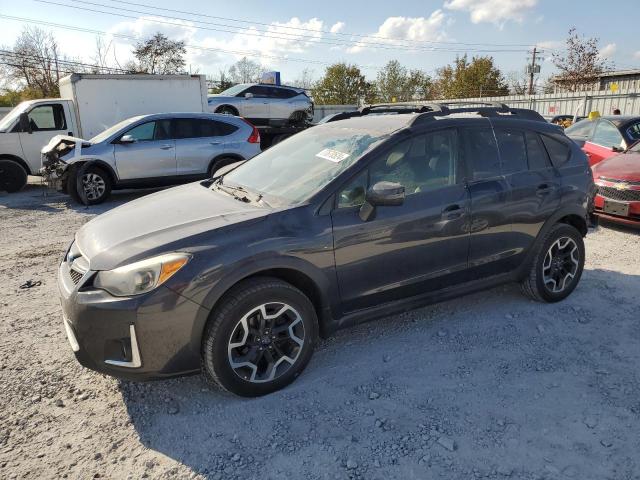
[13, 176]
[260, 338]
[226, 110]
[557, 266]
[89, 184]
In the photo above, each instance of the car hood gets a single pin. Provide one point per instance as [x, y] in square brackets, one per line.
[625, 166]
[160, 223]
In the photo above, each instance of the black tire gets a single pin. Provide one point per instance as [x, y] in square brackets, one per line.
[13, 176]
[94, 174]
[225, 323]
[298, 118]
[218, 163]
[539, 283]
[227, 110]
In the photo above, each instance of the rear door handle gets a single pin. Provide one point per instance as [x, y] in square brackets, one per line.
[452, 212]
[166, 147]
[215, 143]
[543, 189]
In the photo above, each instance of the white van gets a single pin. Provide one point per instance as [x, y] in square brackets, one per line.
[89, 104]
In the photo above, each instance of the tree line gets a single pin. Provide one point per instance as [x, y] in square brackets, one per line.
[33, 67]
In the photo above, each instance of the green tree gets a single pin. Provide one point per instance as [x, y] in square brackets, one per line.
[464, 79]
[395, 83]
[341, 84]
[159, 55]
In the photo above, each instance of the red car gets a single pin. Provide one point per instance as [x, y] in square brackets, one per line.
[605, 137]
[618, 182]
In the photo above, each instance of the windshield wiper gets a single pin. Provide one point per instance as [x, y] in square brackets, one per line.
[245, 195]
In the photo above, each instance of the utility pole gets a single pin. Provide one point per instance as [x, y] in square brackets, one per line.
[533, 69]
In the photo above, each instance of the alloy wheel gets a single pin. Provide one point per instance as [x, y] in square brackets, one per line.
[94, 186]
[266, 342]
[560, 264]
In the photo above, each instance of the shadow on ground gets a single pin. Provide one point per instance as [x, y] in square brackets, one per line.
[469, 388]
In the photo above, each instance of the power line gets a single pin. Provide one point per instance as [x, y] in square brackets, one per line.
[195, 47]
[265, 34]
[344, 34]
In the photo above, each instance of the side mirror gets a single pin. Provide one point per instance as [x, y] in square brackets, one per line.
[25, 123]
[382, 194]
[248, 95]
[127, 139]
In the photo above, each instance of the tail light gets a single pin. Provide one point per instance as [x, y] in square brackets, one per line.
[255, 134]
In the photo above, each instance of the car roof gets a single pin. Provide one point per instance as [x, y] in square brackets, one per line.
[169, 115]
[380, 124]
[620, 120]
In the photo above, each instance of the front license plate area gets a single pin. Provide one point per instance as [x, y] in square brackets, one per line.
[616, 208]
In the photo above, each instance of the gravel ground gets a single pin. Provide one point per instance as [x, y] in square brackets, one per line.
[491, 385]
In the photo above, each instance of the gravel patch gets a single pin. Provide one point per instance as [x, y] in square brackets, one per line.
[491, 385]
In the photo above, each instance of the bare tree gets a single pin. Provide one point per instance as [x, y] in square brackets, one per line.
[579, 63]
[101, 55]
[35, 63]
[245, 71]
[160, 55]
[305, 80]
[518, 82]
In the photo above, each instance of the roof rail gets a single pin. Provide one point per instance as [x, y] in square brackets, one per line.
[488, 109]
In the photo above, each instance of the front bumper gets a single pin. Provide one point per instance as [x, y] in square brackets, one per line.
[631, 218]
[139, 338]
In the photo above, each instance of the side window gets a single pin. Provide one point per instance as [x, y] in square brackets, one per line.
[143, 132]
[558, 150]
[513, 152]
[634, 131]
[258, 91]
[421, 163]
[47, 117]
[582, 128]
[184, 128]
[481, 153]
[223, 128]
[537, 155]
[607, 135]
[353, 194]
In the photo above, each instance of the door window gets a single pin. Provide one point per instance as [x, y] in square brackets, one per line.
[259, 91]
[582, 128]
[200, 128]
[420, 164]
[607, 135]
[47, 117]
[634, 131]
[149, 131]
[513, 152]
[481, 153]
[537, 155]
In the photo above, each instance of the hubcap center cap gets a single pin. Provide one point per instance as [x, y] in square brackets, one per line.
[265, 340]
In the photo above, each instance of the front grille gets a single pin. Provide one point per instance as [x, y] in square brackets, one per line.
[75, 275]
[624, 195]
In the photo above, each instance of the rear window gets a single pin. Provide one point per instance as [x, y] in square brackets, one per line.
[513, 152]
[481, 152]
[537, 155]
[557, 149]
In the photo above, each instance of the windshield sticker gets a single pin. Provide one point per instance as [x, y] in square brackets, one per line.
[332, 155]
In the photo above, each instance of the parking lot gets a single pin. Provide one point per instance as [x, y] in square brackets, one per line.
[491, 385]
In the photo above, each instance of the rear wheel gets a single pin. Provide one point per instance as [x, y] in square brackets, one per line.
[219, 163]
[260, 338]
[227, 110]
[13, 176]
[557, 265]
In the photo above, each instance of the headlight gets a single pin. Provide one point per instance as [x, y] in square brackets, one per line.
[140, 277]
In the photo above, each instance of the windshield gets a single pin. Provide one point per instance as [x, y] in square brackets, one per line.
[101, 137]
[294, 170]
[11, 117]
[233, 91]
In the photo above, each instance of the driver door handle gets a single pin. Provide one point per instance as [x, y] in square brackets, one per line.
[452, 212]
[166, 147]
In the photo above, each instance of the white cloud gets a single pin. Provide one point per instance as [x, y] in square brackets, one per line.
[492, 11]
[396, 29]
[277, 39]
[608, 50]
[637, 54]
[549, 44]
[337, 27]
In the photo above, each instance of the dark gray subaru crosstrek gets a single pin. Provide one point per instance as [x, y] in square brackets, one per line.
[238, 275]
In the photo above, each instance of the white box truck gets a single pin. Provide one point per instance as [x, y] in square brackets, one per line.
[88, 104]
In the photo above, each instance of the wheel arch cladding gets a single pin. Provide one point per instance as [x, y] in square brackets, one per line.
[18, 160]
[226, 105]
[99, 164]
[575, 221]
[220, 158]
